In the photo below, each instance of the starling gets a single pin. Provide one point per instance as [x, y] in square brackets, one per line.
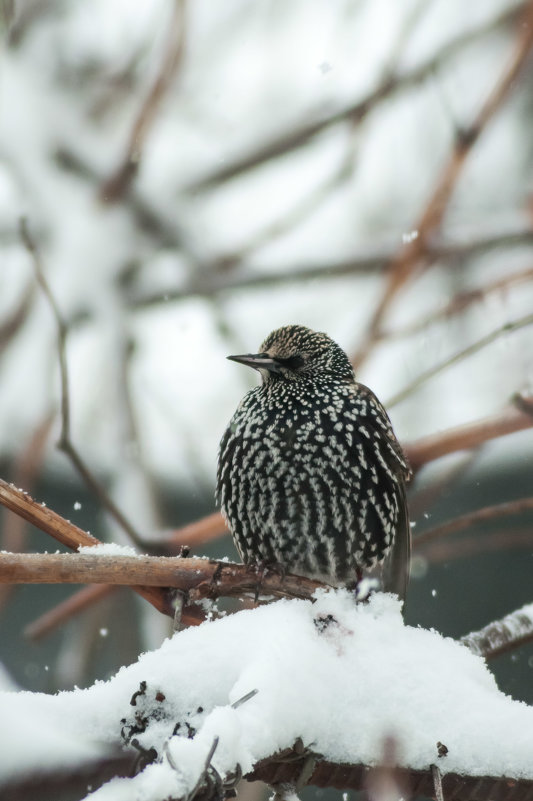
[311, 477]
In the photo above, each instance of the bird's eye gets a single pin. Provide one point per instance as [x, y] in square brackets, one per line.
[292, 362]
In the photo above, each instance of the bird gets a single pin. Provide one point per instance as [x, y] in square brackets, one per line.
[311, 478]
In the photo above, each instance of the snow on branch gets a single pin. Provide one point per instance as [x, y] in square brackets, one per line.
[502, 635]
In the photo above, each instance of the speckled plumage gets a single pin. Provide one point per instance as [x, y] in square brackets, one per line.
[310, 474]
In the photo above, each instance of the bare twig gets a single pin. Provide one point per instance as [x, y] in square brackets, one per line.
[199, 578]
[459, 303]
[65, 442]
[516, 417]
[502, 635]
[410, 257]
[300, 134]
[479, 516]
[118, 184]
[65, 610]
[475, 347]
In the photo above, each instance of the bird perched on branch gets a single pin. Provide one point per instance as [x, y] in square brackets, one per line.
[311, 477]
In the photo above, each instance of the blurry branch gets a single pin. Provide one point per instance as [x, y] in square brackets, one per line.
[414, 253]
[213, 281]
[503, 635]
[9, 327]
[199, 578]
[65, 442]
[59, 614]
[459, 303]
[515, 417]
[435, 551]
[69, 535]
[473, 518]
[300, 134]
[117, 185]
[481, 343]
[198, 533]
[146, 217]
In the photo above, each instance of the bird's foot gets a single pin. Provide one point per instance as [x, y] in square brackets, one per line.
[262, 569]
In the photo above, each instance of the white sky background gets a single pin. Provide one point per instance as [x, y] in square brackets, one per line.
[74, 81]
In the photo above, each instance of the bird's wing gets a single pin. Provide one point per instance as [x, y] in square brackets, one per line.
[396, 566]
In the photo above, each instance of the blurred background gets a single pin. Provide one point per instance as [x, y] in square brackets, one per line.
[195, 174]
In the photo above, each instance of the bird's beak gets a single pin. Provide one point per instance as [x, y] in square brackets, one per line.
[259, 361]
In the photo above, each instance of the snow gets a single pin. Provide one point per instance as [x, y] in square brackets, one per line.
[108, 549]
[340, 676]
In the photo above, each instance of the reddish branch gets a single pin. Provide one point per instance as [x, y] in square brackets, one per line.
[412, 255]
[516, 417]
[472, 518]
[67, 609]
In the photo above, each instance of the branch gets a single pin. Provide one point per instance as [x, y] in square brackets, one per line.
[65, 442]
[488, 339]
[412, 254]
[472, 518]
[67, 609]
[118, 184]
[459, 303]
[516, 417]
[471, 545]
[214, 279]
[300, 134]
[285, 767]
[198, 577]
[70, 535]
[503, 635]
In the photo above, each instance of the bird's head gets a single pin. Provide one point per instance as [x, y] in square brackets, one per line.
[294, 352]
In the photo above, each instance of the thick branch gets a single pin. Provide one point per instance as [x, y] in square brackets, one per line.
[472, 518]
[198, 577]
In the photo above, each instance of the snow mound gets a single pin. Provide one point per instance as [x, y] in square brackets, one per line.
[340, 676]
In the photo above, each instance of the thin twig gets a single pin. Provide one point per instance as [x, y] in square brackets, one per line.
[502, 635]
[118, 184]
[473, 518]
[475, 347]
[410, 257]
[13, 323]
[65, 443]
